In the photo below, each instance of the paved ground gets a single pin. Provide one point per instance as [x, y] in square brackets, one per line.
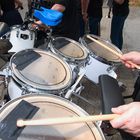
[131, 42]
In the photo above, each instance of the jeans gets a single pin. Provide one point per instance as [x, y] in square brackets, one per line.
[116, 35]
[94, 25]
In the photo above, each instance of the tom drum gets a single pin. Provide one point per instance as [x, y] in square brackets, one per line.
[53, 107]
[35, 70]
[71, 51]
[101, 61]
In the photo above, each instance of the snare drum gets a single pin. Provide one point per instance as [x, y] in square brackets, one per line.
[70, 50]
[102, 61]
[53, 107]
[35, 70]
[21, 39]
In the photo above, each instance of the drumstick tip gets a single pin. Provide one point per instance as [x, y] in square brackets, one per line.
[20, 123]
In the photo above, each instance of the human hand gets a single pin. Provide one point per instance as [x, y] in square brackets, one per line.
[129, 119]
[40, 26]
[19, 4]
[131, 56]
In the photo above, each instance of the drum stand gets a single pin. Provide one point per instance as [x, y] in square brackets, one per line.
[77, 91]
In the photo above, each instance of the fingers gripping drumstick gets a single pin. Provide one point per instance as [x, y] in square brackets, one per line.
[111, 50]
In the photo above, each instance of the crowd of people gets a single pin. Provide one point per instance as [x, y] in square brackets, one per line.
[76, 15]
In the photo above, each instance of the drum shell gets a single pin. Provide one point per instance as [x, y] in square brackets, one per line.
[21, 39]
[101, 60]
[97, 68]
[50, 107]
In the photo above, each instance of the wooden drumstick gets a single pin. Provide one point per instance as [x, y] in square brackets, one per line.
[66, 120]
[111, 50]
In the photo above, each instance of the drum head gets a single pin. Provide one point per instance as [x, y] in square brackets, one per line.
[53, 107]
[100, 51]
[40, 69]
[69, 48]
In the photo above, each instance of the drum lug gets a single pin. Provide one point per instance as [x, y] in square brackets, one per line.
[17, 34]
[31, 34]
[24, 90]
[110, 69]
[6, 73]
[89, 61]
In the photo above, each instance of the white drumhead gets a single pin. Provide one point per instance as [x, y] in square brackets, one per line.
[40, 69]
[69, 48]
[53, 107]
[100, 51]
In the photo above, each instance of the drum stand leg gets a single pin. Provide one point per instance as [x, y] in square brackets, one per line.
[73, 87]
[84, 99]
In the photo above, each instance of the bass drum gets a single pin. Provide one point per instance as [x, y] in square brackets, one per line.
[101, 61]
[35, 70]
[21, 39]
[53, 107]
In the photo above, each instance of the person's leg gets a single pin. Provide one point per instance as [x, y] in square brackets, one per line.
[82, 26]
[94, 25]
[116, 35]
[12, 18]
[109, 12]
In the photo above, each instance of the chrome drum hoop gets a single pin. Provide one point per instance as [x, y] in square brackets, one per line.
[70, 50]
[100, 53]
[25, 76]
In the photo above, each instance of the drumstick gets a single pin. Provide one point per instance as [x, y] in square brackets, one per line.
[111, 50]
[66, 120]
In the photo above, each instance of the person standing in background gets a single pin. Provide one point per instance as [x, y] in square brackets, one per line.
[94, 16]
[120, 12]
[70, 24]
[9, 13]
[84, 16]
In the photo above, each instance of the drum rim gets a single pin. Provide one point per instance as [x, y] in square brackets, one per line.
[82, 47]
[18, 77]
[68, 104]
[15, 27]
[98, 57]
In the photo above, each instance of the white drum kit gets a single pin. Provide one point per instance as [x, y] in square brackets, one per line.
[59, 69]
[38, 75]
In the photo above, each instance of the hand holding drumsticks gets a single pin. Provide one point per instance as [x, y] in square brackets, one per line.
[131, 60]
[66, 120]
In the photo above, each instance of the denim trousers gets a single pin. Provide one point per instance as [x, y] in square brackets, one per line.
[94, 25]
[116, 35]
